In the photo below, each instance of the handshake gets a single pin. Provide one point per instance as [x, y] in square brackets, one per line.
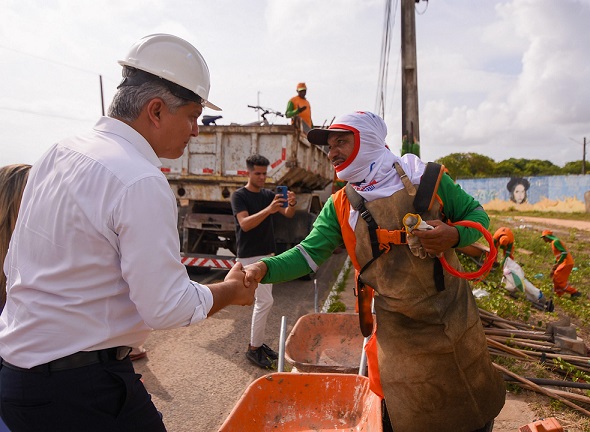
[241, 282]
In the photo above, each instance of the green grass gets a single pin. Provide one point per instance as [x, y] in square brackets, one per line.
[335, 304]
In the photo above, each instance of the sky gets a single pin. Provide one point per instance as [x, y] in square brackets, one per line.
[505, 79]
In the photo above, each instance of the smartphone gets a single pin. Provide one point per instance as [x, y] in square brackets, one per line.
[282, 190]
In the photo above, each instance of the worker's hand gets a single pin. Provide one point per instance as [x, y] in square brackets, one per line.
[413, 222]
[415, 246]
[243, 288]
[255, 272]
[439, 239]
[234, 290]
[301, 109]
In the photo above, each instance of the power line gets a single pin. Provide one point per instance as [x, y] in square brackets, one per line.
[388, 25]
[25, 111]
[52, 61]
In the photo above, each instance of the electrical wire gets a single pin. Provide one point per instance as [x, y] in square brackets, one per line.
[50, 60]
[388, 25]
[41, 114]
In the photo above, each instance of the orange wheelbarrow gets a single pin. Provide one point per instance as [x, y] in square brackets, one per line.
[316, 402]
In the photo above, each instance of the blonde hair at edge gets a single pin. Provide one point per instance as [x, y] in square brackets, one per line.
[12, 184]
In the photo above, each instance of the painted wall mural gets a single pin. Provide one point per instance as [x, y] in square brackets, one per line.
[549, 193]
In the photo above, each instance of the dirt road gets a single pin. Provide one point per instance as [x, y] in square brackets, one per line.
[548, 223]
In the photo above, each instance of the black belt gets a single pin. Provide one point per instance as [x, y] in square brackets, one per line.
[76, 360]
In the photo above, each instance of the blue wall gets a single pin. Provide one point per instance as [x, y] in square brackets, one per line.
[557, 188]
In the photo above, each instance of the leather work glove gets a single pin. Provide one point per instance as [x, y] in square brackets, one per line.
[414, 222]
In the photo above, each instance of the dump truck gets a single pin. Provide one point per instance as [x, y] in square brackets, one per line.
[213, 166]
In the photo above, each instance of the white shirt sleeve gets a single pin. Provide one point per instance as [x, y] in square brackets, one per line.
[144, 221]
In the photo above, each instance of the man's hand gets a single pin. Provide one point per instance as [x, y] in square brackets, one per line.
[276, 204]
[234, 290]
[291, 198]
[438, 240]
[255, 272]
[244, 289]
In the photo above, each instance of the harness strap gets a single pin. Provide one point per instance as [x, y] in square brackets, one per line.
[358, 202]
[363, 296]
[428, 186]
[405, 180]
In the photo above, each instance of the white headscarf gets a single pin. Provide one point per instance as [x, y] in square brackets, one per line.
[369, 168]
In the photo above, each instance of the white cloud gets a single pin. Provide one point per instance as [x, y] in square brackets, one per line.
[501, 78]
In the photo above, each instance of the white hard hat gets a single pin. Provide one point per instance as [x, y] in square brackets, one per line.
[175, 61]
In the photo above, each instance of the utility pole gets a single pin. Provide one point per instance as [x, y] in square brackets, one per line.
[101, 94]
[583, 153]
[258, 104]
[410, 123]
[584, 158]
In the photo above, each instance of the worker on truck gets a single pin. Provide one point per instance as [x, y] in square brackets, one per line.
[299, 109]
[94, 263]
[435, 368]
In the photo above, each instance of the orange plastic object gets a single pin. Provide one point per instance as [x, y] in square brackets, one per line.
[545, 425]
[325, 342]
[290, 402]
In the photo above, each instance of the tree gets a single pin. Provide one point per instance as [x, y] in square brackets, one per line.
[473, 165]
[468, 165]
[572, 167]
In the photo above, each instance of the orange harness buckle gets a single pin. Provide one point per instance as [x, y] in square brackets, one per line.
[387, 237]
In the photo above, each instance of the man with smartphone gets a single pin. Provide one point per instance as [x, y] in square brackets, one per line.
[252, 206]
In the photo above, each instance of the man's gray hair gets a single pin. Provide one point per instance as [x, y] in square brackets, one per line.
[130, 100]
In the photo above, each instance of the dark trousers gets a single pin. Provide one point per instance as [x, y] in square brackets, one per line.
[106, 396]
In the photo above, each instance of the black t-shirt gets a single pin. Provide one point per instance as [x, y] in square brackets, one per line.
[260, 240]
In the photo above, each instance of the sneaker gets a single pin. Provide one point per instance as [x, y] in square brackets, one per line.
[576, 294]
[273, 355]
[259, 358]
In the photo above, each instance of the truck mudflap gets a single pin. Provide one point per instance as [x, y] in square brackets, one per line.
[209, 262]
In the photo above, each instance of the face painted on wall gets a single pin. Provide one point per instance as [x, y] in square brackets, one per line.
[519, 194]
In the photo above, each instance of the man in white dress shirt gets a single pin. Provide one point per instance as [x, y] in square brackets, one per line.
[94, 263]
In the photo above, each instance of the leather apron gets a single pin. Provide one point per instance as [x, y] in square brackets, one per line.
[434, 363]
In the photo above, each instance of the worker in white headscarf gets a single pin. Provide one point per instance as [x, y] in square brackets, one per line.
[434, 366]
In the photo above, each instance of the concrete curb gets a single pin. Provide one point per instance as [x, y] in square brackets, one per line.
[333, 292]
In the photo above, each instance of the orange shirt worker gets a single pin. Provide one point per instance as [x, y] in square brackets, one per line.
[298, 107]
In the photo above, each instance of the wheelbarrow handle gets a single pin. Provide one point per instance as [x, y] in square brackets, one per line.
[282, 338]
